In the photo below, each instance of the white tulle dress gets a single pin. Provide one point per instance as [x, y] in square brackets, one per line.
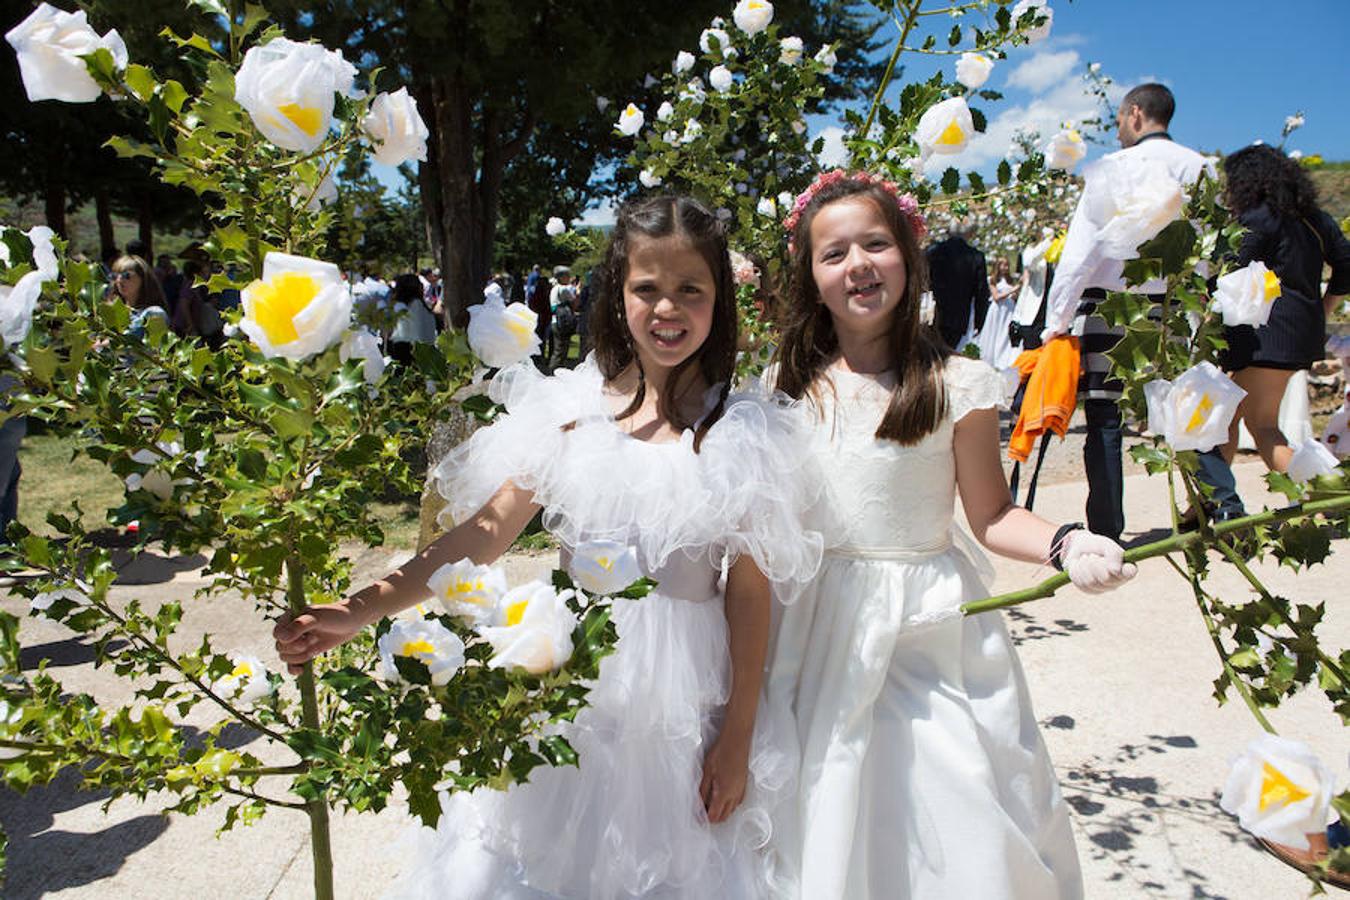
[923, 774]
[628, 822]
[993, 340]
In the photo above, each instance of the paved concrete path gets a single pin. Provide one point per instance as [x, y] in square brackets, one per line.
[1122, 685]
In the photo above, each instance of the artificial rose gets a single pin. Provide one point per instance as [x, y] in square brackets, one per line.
[752, 16]
[723, 42]
[664, 111]
[1279, 790]
[537, 634]
[425, 640]
[1311, 458]
[397, 129]
[501, 334]
[1194, 412]
[44, 252]
[365, 346]
[469, 591]
[1336, 436]
[17, 304]
[649, 179]
[767, 207]
[1036, 32]
[1065, 150]
[827, 57]
[945, 128]
[554, 226]
[287, 88]
[973, 69]
[601, 104]
[299, 307]
[790, 51]
[743, 271]
[49, 44]
[692, 130]
[694, 91]
[1247, 295]
[604, 567]
[247, 682]
[720, 79]
[630, 120]
[684, 61]
[1135, 200]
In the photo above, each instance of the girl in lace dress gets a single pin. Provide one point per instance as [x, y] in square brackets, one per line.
[922, 771]
[644, 445]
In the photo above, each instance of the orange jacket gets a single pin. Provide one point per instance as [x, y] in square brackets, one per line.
[1051, 394]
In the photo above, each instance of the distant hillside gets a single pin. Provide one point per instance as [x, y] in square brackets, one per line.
[1333, 188]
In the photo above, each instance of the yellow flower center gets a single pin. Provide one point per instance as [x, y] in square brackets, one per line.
[468, 591]
[1272, 286]
[630, 111]
[1201, 414]
[242, 670]
[1074, 136]
[755, 5]
[951, 135]
[1277, 789]
[605, 563]
[519, 328]
[418, 647]
[515, 612]
[307, 118]
[276, 303]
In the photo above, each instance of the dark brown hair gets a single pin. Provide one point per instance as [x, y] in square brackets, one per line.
[1154, 100]
[1262, 174]
[658, 217]
[152, 294]
[809, 343]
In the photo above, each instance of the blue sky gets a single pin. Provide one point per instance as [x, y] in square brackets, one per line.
[1237, 67]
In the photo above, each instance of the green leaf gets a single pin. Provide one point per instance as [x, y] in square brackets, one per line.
[951, 181]
[174, 95]
[979, 121]
[42, 361]
[1004, 173]
[213, 7]
[290, 423]
[141, 81]
[557, 751]
[128, 148]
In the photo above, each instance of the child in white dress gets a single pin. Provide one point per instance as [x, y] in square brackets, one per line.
[640, 444]
[923, 774]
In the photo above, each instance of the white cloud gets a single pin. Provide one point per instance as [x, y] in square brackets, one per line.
[1043, 70]
[601, 214]
[834, 154]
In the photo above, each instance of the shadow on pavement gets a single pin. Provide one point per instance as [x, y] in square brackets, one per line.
[148, 567]
[1024, 626]
[70, 652]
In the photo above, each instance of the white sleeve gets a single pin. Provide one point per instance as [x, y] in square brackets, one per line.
[1073, 274]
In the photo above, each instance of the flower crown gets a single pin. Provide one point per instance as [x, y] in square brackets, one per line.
[907, 202]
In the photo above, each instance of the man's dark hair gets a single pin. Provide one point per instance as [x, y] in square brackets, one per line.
[1155, 101]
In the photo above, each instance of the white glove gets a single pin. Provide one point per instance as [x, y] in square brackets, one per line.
[1094, 563]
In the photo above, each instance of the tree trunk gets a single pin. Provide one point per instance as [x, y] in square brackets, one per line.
[54, 203]
[107, 237]
[145, 222]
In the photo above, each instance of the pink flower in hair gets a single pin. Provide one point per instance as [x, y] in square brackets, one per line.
[908, 204]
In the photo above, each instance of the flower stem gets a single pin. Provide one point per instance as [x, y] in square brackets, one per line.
[1049, 586]
[911, 17]
[321, 846]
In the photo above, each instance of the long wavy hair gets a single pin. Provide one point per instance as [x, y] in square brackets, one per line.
[809, 342]
[658, 217]
[1261, 174]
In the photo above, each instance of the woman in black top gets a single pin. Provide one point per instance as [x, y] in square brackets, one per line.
[1275, 199]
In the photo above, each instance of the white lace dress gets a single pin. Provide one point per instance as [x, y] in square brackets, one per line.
[995, 345]
[628, 822]
[923, 774]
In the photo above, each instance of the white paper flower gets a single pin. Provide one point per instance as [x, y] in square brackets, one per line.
[502, 334]
[724, 47]
[288, 89]
[49, 44]
[1135, 201]
[603, 568]
[1311, 458]
[427, 641]
[44, 253]
[1036, 32]
[671, 137]
[1194, 412]
[753, 16]
[630, 120]
[43, 601]
[537, 634]
[1094, 68]
[827, 57]
[324, 194]
[743, 271]
[692, 130]
[299, 307]
[469, 591]
[554, 226]
[365, 346]
[973, 69]
[945, 128]
[1336, 436]
[694, 91]
[767, 207]
[1065, 150]
[785, 200]
[664, 111]
[1293, 122]
[397, 129]
[790, 50]
[649, 179]
[720, 78]
[247, 682]
[1279, 790]
[1246, 296]
[601, 104]
[684, 61]
[17, 304]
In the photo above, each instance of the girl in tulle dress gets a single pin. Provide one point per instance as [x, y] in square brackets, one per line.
[923, 774]
[641, 444]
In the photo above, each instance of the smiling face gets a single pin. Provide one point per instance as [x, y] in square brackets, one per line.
[668, 297]
[127, 281]
[858, 267]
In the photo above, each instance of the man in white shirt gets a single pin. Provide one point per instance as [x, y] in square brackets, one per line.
[1086, 272]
